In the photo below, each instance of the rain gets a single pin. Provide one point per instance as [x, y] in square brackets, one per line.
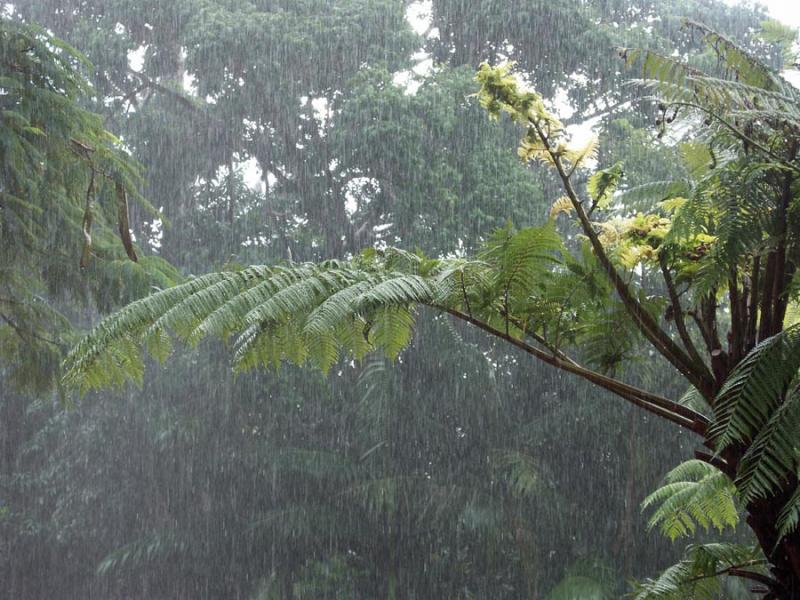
[399, 299]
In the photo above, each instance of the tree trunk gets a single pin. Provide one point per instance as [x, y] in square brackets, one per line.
[784, 557]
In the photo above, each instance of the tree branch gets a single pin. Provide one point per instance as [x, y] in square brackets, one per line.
[88, 219]
[695, 373]
[653, 403]
[677, 311]
[739, 134]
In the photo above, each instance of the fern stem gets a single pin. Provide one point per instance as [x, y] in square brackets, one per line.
[653, 403]
[677, 310]
[738, 133]
[752, 309]
[696, 373]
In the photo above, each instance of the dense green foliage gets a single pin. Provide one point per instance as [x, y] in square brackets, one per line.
[59, 204]
[416, 479]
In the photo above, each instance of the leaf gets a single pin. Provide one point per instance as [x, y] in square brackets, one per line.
[602, 185]
[695, 494]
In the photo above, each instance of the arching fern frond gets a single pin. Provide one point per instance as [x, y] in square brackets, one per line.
[695, 494]
[699, 574]
[316, 312]
[755, 389]
[646, 197]
[519, 257]
[772, 458]
[745, 67]
[520, 472]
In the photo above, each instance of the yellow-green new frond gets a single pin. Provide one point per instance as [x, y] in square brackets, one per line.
[579, 156]
[561, 205]
[602, 185]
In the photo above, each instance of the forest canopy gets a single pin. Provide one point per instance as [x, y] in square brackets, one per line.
[557, 319]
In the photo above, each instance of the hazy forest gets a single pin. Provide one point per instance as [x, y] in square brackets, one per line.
[394, 299]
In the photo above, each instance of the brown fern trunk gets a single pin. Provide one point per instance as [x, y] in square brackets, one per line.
[784, 557]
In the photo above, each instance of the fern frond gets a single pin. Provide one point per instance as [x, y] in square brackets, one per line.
[746, 68]
[107, 355]
[772, 457]
[339, 306]
[462, 283]
[520, 258]
[153, 547]
[789, 517]
[391, 329]
[520, 471]
[695, 400]
[561, 205]
[695, 494]
[580, 155]
[755, 389]
[602, 185]
[646, 197]
[698, 575]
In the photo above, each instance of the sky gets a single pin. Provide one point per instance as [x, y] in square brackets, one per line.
[786, 11]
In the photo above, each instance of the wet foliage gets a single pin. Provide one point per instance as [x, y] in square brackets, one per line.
[151, 150]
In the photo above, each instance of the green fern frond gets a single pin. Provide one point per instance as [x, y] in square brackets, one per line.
[789, 517]
[520, 471]
[663, 70]
[695, 494]
[698, 575]
[391, 329]
[695, 400]
[646, 197]
[463, 283]
[521, 258]
[772, 458]
[746, 68]
[755, 389]
[153, 547]
[338, 306]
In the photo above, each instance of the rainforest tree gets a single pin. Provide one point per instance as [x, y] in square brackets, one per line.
[699, 270]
